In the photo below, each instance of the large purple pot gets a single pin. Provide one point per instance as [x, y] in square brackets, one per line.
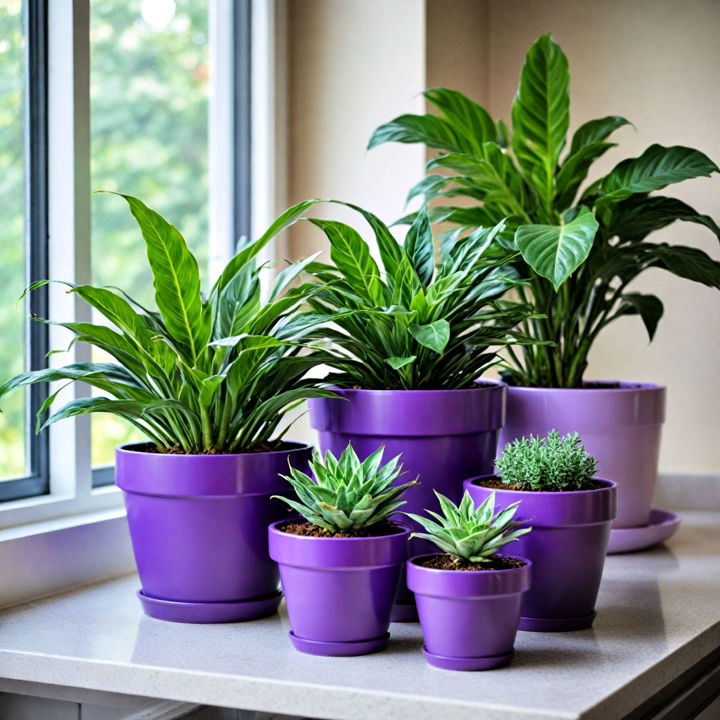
[567, 547]
[469, 619]
[444, 436]
[339, 591]
[198, 525]
[620, 427]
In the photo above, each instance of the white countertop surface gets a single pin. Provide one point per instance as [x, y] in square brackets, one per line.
[658, 614]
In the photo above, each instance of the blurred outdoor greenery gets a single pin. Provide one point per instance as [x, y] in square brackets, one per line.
[149, 130]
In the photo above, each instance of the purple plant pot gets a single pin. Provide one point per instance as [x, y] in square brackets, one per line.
[198, 525]
[567, 548]
[469, 619]
[339, 591]
[444, 436]
[620, 427]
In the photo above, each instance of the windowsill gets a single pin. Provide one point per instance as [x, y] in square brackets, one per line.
[52, 555]
[658, 617]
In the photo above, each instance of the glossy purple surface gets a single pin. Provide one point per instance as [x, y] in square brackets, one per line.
[339, 591]
[567, 547]
[444, 436]
[198, 525]
[469, 619]
[621, 427]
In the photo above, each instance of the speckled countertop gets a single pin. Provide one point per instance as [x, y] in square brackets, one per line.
[659, 614]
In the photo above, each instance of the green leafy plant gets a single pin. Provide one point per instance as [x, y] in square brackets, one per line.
[580, 248]
[472, 535]
[197, 375]
[417, 324]
[552, 463]
[347, 495]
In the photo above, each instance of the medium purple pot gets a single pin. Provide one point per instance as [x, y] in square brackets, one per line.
[621, 427]
[567, 547]
[469, 619]
[339, 591]
[198, 525]
[444, 436]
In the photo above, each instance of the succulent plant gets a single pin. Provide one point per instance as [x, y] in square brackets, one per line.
[347, 494]
[472, 534]
[552, 463]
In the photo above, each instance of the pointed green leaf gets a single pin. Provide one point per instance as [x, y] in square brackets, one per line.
[656, 168]
[434, 335]
[555, 252]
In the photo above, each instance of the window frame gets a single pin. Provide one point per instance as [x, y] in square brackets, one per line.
[36, 482]
[72, 487]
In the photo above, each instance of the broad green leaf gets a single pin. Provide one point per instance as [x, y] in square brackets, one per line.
[540, 115]
[574, 170]
[83, 406]
[434, 335]
[556, 251]
[434, 131]
[388, 246]
[352, 256]
[636, 217]
[420, 248]
[686, 262]
[428, 187]
[465, 115]
[655, 169]
[176, 278]
[595, 131]
[400, 362]
[648, 307]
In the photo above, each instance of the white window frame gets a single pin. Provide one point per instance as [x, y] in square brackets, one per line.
[89, 535]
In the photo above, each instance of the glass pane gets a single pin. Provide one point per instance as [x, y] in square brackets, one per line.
[149, 114]
[13, 455]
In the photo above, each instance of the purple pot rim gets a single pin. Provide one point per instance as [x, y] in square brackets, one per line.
[626, 386]
[508, 571]
[127, 449]
[487, 385]
[607, 485]
[274, 528]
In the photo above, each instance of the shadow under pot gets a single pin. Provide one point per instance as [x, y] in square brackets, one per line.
[567, 548]
[198, 525]
[620, 424]
[339, 591]
[469, 618]
[444, 436]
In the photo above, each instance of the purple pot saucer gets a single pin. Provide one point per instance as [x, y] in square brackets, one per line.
[210, 612]
[339, 649]
[468, 663]
[662, 526]
[557, 624]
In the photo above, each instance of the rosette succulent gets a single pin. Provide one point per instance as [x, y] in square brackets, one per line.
[552, 463]
[471, 534]
[347, 494]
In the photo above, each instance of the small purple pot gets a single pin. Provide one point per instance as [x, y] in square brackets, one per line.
[469, 619]
[198, 525]
[444, 436]
[620, 427]
[339, 591]
[567, 548]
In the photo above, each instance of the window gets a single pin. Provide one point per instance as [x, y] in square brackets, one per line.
[23, 240]
[149, 88]
[150, 97]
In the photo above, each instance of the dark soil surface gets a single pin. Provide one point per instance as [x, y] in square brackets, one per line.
[451, 562]
[311, 530]
[177, 450]
[497, 484]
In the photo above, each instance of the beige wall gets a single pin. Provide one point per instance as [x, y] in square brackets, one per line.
[357, 63]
